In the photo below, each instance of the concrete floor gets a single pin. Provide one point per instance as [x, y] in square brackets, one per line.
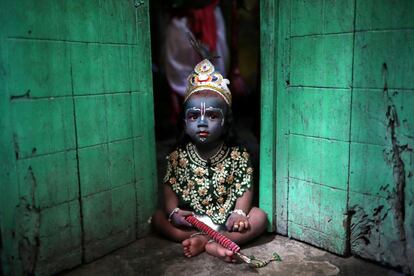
[154, 255]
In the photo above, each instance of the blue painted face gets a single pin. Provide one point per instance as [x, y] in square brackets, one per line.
[204, 118]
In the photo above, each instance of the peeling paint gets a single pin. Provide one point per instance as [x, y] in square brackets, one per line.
[28, 227]
[16, 146]
[20, 97]
[395, 159]
[363, 224]
[28, 238]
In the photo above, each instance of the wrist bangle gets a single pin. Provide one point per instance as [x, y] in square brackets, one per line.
[197, 234]
[172, 213]
[240, 212]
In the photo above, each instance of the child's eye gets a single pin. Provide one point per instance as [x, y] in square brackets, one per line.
[193, 117]
[213, 115]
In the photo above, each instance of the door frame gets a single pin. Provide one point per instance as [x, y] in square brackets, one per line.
[269, 24]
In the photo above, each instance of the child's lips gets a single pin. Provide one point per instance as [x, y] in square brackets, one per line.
[203, 133]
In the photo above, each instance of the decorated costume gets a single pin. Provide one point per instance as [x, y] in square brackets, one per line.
[209, 187]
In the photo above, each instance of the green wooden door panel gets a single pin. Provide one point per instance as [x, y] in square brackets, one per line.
[87, 64]
[344, 131]
[321, 17]
[315, 208]
[109, 220]
[304, 204]
[384, 14]
[106, 166]
[109, 116]
[75, 20]
[319, 161]
[322, 61]
[268, 41]
[49, 76]
[374, 230]
[381, 166]
[55, 184]
[91, 120]
[384, 59]
[60, 245]
[282, 117]
[121, 170]
[369, 121]
[365, 177]
[119, 121]
[409, 210]
[94, 169]
[78, 146]
[323, 103]
[36, 132]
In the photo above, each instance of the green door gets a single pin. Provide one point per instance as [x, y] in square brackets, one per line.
[311, 122]
[76, 142]
[337, 145]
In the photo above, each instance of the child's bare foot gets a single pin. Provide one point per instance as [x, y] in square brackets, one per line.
[219, 251]
[194, 246]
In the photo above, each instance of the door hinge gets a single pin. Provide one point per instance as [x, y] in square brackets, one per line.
[138, 3]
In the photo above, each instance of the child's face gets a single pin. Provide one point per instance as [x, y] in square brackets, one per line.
[204, 118]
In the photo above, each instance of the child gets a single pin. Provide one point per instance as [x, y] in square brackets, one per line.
[206, 175]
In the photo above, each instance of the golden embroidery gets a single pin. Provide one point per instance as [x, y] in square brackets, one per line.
[183, 163]
[235, 154]
[199, 171]
[209, 187]
[174, 155]
[230, 179]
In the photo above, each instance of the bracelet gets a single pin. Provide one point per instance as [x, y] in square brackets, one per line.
[197, 234]
[240, 212]
[173, 212]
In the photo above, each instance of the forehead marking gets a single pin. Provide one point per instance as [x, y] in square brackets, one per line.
[203, 110]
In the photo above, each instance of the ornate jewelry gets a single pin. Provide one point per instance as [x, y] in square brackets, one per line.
[173, 212]
[197, 234]
[204, 77]
[240, 212]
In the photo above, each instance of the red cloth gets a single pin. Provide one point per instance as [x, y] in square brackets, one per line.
[203, 25]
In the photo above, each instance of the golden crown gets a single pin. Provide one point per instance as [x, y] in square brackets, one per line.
[204, 77]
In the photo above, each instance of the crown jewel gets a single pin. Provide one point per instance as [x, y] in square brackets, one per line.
[204, 77]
